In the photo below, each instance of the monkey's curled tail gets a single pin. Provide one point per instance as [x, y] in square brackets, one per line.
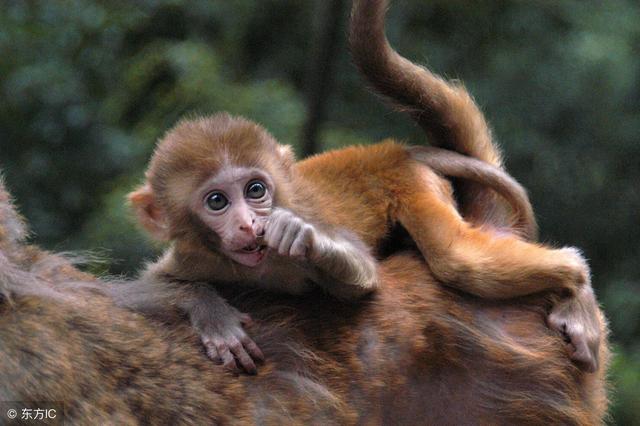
[452, 164]
[444, 110]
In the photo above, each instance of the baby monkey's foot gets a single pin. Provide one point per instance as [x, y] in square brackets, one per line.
[229, 344]
[577, 320]
[572, 268]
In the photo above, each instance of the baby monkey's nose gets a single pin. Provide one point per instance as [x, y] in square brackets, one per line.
[246, 227]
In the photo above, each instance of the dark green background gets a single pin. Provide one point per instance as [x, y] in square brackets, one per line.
[88, 86]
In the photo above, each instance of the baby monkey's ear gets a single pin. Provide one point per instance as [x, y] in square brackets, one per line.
[149, 214]
[287, 156]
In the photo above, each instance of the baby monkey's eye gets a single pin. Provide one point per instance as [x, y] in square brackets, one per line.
[256, 189]
[216, 201]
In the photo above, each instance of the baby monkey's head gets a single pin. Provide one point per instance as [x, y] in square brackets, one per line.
[215, 179]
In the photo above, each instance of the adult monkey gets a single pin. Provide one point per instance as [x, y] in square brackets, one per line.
[413, 351]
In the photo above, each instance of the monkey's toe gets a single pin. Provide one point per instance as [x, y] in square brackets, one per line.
[582, 349]
[584, 357]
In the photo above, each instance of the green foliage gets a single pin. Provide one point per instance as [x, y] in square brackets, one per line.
[88, 86]
[625, 376]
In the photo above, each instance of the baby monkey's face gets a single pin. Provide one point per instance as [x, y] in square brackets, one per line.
[235, 204]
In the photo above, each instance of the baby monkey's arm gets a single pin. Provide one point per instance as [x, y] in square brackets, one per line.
[219, 325]
[345, 265]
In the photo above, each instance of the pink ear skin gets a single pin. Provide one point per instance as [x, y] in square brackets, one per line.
[149, 213]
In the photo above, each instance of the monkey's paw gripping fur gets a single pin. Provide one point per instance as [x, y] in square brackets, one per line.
[227, 343]
[573, 317]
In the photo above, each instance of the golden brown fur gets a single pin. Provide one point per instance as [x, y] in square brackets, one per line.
[414, 351]
[364, 189]
[361, 189]
[443, 109]
[361, 192]
[349, 197]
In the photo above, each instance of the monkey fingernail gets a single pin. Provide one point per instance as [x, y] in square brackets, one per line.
[213, 355]
[232, 366]
[251, 369]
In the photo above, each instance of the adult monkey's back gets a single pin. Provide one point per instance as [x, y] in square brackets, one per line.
[415, 352]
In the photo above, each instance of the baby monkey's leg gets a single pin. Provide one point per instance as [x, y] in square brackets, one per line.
[499, 266]
[479, 261]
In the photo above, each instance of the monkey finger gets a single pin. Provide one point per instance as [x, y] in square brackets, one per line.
[277, 215]
[225, 354]
[245, 361]
[261, 222]
[299, 245]
[242, 356]
[287, 239]
[273, 234]
[582, 355]
[231, 365]
[252, 348]
[212, 353]
[210, 348]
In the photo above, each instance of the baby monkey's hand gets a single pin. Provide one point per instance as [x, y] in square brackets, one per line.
[225, 340]
[290, 235]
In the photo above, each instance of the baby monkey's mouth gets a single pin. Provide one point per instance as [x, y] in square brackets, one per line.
[256, 246]
[253, 248]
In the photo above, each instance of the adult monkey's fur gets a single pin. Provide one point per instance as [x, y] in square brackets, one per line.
[414, 351]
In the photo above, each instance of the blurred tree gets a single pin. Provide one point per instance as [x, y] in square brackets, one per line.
[321, 72]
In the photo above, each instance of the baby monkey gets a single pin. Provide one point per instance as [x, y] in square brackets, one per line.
[239, 209]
